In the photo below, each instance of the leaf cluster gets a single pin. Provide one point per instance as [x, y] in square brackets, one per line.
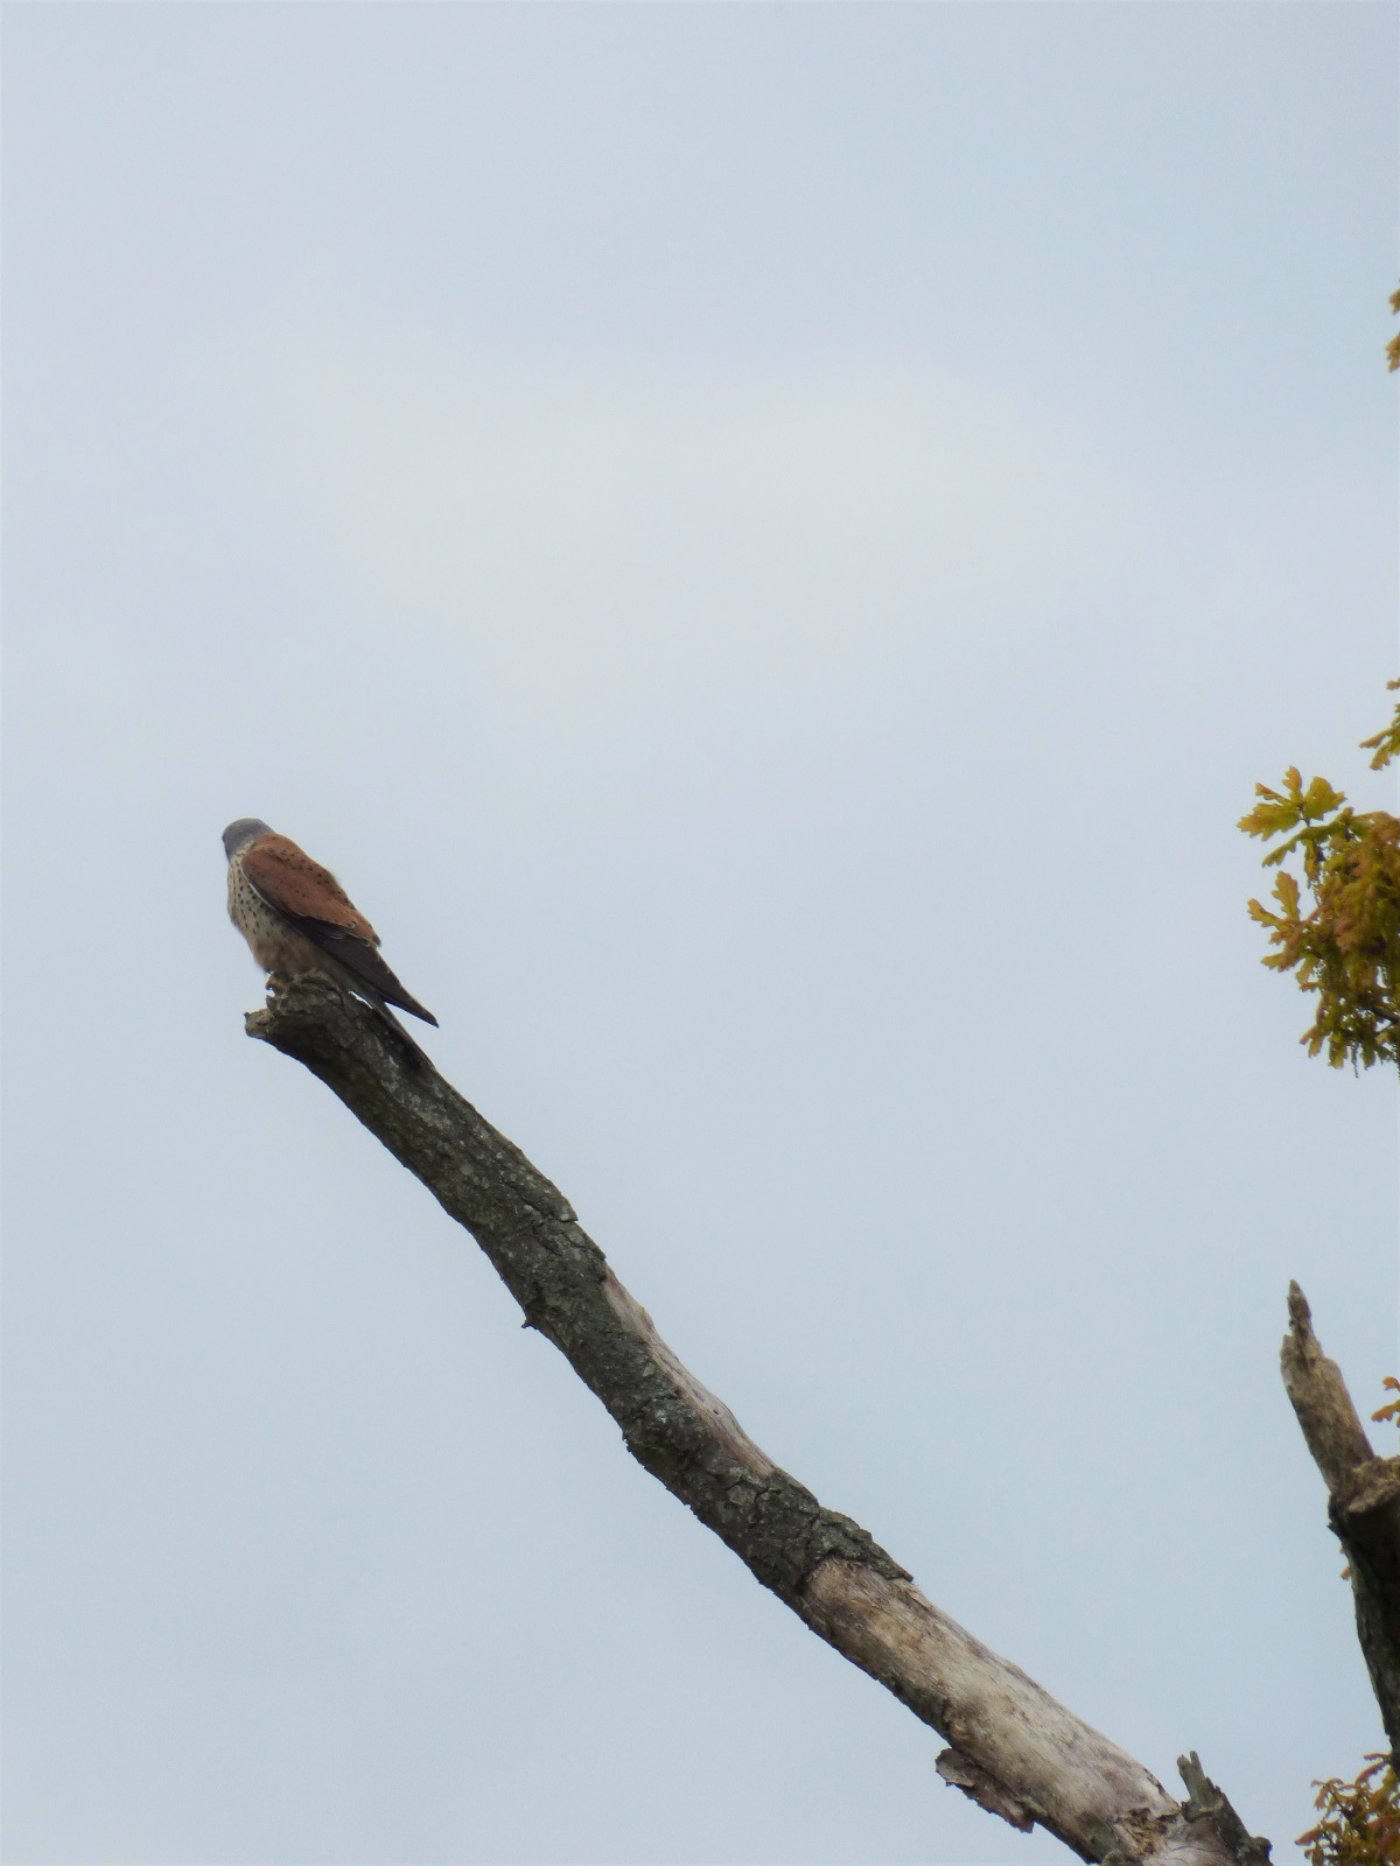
[1385, 744]
[1360, 1823]
[1345, 944]
[1389, 1414]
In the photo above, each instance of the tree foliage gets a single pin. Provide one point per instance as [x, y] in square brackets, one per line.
[1346, 948]
[1344, 942]
[1360, 1823]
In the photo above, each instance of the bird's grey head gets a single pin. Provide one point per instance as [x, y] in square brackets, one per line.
[238, 835]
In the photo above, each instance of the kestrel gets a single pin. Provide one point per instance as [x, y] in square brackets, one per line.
[297, 918]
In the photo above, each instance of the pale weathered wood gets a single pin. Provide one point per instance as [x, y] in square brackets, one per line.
[1013, 1748]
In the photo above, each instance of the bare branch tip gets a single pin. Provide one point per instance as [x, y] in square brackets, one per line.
[1299, 1313]
[1202, 1796]
[1206, 1801]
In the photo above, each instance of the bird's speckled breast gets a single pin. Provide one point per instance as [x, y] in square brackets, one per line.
[276, 946]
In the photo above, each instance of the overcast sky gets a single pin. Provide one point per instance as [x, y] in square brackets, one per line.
[768, 546]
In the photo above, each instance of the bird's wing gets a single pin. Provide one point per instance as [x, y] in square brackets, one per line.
[313, 901]
[290, 881]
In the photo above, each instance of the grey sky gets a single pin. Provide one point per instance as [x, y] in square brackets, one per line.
[768, 546]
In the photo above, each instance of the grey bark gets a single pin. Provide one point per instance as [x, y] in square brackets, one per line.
[1363, 1502]
[1012, 1747]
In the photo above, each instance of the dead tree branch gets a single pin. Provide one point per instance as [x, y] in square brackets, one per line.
[1363, 1506]
[1013, 1749]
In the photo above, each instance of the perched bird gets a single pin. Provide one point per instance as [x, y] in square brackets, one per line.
[297, 918]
